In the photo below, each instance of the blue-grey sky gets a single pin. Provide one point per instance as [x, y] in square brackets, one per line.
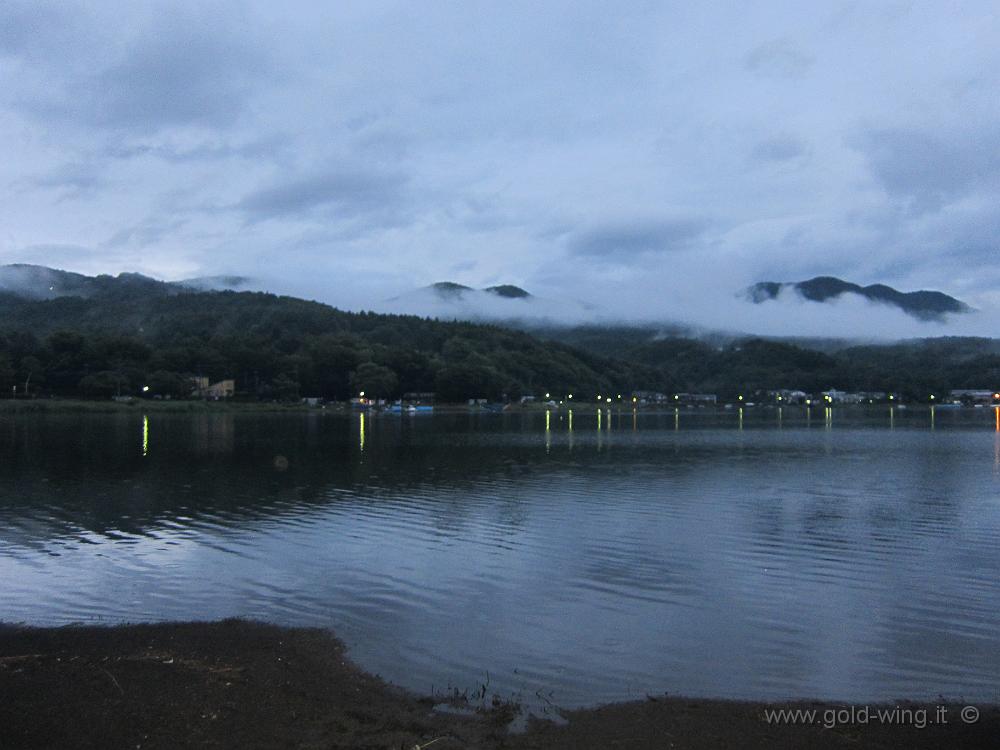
[646, 158]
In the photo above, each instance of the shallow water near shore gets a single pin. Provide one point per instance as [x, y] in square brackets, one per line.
[851, 555]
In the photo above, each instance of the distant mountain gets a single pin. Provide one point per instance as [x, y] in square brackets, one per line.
[507, 290]
[451, 290]
[119, 335]
[98, 336]
[925, 305]
[505, 304]
[40, 282]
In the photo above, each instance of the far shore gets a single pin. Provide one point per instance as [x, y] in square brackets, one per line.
[241, 684]
[195, 406]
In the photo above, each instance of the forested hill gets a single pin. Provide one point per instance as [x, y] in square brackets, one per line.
[729, 365]
[279, 347]
[924, 305]
[140, 332]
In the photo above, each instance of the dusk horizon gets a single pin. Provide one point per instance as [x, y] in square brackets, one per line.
[651, 161]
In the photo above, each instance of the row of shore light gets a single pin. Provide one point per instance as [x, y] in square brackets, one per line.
[808, 401]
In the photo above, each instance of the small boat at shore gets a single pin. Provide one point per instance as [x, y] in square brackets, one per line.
[408, 409]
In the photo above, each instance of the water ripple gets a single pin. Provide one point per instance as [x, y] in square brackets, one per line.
[585, 567]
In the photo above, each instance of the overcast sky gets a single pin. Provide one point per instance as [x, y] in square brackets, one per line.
[647, 158]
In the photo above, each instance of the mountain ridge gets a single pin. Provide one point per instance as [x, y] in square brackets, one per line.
[140, 332]
[922, 304]
[453, 290]
[34, 282]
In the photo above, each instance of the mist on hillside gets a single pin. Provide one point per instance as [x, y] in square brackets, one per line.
[693, 304]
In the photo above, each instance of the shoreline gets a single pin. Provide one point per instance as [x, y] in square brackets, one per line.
[239, 683]
[145, 405]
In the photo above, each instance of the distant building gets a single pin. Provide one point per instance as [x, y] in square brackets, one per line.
[841, 397]
[367, 402]
[312, 400]
[651, 397]
[699, 399]
[971, 397]
[861, 397]
[213, 391]
[415, 397]
[787, 396]
[872, 397]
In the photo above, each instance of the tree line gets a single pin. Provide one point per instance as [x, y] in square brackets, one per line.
[283, 348]
[280, 348]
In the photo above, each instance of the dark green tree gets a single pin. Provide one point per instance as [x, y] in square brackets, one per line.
[375, 380]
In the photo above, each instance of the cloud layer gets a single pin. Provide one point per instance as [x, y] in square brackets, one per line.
[646, 160]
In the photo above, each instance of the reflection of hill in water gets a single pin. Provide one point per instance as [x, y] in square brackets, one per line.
[71, 475]
[213, 433]
[68, 475]
[441, 547]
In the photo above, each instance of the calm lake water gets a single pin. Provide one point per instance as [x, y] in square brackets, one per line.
[849, 559]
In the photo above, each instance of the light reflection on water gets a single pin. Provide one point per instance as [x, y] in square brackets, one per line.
[757, 553]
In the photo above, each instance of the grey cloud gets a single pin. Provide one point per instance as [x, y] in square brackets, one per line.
[625, 240]
[779, 148]
[463, 266]
[272, 148]
[344, 191]
[26, 24]
[779, 58]
[386, 142]
[58, 255]
[929, 170]
[70, 179]
[185, 67]
[191, 138]
[181, 74]
[145, 233]
[969, 240]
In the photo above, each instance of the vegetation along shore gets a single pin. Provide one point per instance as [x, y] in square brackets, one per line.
[137, 337]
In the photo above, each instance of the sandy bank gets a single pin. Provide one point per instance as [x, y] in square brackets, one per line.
[237, 684]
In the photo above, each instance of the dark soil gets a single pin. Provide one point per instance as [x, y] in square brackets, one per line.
[237, 684]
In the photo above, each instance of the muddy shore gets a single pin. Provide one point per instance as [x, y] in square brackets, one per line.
[238, 684]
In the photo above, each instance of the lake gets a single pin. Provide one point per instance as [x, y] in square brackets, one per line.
[853, 555]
